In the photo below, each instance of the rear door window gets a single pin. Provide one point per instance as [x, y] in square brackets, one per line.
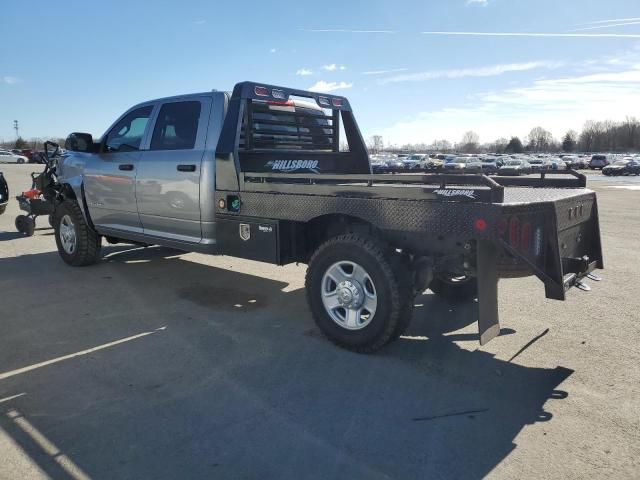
[177, 126]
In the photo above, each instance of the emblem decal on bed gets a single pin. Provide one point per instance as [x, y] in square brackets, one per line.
[245, 231]
[448, 192]
[289, 165]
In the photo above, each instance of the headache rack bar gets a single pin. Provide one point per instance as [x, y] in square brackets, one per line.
[266, 129]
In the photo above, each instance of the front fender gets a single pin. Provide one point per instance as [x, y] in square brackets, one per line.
[71, 177]
[75, 191]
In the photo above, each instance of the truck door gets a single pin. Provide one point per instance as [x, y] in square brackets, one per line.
[168, 176]
[109, 181]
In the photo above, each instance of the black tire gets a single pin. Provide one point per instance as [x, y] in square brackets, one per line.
[87, 242]
[20, 161]
[394, 299]
[25, 225]
[455, 291]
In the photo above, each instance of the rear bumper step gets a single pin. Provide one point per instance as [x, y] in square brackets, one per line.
[573, 279]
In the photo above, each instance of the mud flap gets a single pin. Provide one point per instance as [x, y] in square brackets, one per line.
[487, 264]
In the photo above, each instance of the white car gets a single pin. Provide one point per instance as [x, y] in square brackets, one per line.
[10, 157]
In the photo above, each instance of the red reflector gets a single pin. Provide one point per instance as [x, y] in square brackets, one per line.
[261, 91]
[337, 102]
[480, 224]
[525, 237]
[514, 231]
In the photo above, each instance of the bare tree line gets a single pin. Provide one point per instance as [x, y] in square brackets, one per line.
[30, 143]
[596, 136]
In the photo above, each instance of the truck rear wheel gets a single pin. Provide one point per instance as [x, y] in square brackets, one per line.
[355, 294]
[454, 288]
[77, 243]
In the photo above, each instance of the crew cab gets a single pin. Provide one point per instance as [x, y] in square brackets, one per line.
[281, 175]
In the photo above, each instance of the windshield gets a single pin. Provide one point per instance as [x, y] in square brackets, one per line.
[513, 163]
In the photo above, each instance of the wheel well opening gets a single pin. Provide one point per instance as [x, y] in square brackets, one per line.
[320, 229]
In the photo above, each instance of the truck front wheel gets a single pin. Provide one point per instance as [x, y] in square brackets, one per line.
[357, 298]
[77, 243]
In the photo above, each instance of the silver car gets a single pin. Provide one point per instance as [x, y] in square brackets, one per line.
[10, 157]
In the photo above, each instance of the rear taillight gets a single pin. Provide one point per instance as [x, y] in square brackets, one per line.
[336, 102]
[520, 235]
[261, 91]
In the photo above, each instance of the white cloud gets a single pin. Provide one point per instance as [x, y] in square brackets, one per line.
[273, 50]
[333, 67]
[609, 25]
[532, 34]
[610, 21]
[9, 80]
[322, 86]
[486, 71]
[482, 3]
[555, 104]
[199, 22]
[383, 72]
[304, 72]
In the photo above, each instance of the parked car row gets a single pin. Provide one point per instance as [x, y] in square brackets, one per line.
[7, 156]
[23, 156]
[501, 164]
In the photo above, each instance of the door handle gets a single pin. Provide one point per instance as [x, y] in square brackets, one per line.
[125, 166]
[186, 168]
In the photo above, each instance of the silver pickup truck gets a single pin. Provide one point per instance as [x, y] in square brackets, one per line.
[282, 175]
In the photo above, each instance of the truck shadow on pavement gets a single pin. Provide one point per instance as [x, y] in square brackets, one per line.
[223, 374]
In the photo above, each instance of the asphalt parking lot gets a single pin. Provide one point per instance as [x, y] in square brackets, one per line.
[157, 364]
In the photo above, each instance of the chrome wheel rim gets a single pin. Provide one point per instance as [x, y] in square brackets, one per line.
[349, 295]
[68, 235]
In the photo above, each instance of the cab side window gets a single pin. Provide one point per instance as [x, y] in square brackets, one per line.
[127, 134]
[177, 126]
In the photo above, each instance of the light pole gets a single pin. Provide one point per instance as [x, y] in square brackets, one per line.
[16, 128]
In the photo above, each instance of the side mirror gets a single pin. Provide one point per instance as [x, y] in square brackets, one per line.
[79, 142]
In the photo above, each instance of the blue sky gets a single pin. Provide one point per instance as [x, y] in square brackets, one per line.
[76, 65]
